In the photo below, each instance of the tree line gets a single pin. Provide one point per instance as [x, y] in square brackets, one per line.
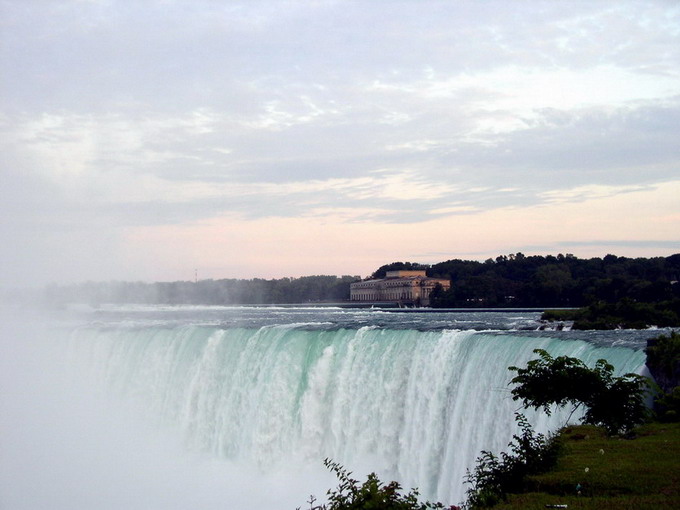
[558, 281]
[513, 280]
[320, 288]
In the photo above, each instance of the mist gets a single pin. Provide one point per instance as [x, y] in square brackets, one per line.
[66, 443]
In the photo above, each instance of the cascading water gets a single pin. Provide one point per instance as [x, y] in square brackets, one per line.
[415, 406]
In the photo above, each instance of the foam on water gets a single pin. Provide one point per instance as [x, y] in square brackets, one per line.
[416, 406]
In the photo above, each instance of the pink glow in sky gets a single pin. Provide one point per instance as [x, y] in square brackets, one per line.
[147, 140]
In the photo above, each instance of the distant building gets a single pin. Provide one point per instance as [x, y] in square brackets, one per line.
[406, 287]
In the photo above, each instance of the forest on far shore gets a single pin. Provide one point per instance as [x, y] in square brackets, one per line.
[513, 280]
[551, 281]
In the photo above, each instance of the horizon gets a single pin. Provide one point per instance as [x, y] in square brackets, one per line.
[145, 141]
[339, 276]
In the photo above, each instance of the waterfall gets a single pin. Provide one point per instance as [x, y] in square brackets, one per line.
[414, 406]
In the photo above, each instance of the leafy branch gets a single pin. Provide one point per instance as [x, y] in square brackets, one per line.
[372, 494]
[615, 403]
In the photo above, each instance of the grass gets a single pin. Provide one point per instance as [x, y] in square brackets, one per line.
[610, 472]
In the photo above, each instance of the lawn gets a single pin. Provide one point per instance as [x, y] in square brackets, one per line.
[599, 472]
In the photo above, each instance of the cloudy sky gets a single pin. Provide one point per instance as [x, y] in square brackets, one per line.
[142, 140]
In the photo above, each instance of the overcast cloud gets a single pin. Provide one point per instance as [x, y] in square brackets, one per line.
[146, 139]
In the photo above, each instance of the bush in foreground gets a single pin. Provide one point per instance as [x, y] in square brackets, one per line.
[372, 494]
[493, 478]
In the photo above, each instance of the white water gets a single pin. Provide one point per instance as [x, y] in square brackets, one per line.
[206, 417]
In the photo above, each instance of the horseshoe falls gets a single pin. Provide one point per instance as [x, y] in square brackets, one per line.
[236, 408]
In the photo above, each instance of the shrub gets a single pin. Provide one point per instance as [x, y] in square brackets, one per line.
[372, 494]
[663, 361]
[494, 477]
[663, 358]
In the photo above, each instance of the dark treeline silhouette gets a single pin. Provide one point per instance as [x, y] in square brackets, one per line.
[395, 266]
[517, 280]
[206, 292]
[513, 280]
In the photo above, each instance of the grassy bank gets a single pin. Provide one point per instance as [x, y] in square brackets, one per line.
[610, 472]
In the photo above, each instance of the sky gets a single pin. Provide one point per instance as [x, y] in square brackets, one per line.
[163, 139]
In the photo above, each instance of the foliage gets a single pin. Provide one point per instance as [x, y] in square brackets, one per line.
[563, 281]
[615, 403]
[493, 478]
[381, 272]
[667, 406]
[663, 361]
[628, 314]
[514, 280]
[560, 315]
[306, 289]
[372, 494]
[625, 313]
[663, 352]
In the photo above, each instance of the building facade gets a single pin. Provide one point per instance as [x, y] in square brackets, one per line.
[404, 287]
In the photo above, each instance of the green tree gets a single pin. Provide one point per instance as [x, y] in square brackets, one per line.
[615, 403]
